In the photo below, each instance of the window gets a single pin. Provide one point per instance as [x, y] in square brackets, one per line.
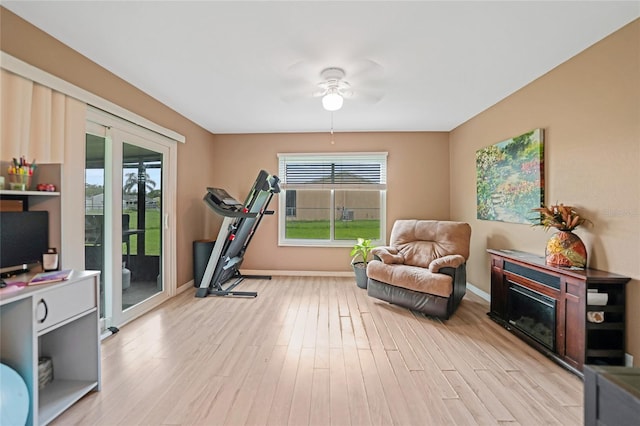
[332, 199]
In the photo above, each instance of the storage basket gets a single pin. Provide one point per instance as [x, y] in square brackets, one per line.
[45, 371]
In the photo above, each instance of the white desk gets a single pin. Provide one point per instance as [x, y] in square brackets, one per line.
[60, 321]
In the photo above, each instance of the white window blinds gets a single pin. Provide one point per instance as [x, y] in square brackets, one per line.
[334, 171]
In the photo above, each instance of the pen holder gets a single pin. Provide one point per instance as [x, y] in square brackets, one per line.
[19, 182]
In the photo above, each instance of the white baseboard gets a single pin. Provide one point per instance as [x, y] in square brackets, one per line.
[184, 287]
[298, 273]
[483, 294]
[628, 360]
[189, 285]
[475, 290]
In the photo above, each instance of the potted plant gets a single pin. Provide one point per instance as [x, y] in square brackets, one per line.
[360, 252]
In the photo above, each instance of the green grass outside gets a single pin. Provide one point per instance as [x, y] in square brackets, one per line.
[344, 230]
[303, 229]
[152, 231]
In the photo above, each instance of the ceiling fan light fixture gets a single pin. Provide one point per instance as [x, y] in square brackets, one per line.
[332, 101]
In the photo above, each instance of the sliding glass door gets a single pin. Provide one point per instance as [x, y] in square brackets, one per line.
[95, 200]
[127, 210]
[142, 228]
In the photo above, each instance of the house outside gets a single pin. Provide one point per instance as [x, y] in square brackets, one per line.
[349, 204]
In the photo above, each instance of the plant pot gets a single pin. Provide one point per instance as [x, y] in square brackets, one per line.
[566, 249]
[360, 269]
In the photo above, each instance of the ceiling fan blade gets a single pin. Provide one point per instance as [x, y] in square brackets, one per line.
[297, 84]
[299, 95]
[319, 92]
[365, 69]
[368, 96]
[300, 88]
[322, 85]
[346, 93]
[294, 97]
[300, 67]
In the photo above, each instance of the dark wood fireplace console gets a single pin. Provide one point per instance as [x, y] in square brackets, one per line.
[574, 340]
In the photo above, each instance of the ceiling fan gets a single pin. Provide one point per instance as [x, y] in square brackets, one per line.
[334, 87]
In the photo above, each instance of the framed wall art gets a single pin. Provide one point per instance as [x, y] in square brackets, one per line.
[510, 178]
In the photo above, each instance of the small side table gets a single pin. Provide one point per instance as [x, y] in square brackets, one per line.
[611, 395]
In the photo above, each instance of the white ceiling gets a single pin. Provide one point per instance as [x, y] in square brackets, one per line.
[250, 67]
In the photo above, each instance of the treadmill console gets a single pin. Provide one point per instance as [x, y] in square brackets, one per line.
[223, 199]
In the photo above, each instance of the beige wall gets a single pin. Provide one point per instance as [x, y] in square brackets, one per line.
[25, 42]
[590, 110]
[418, 185]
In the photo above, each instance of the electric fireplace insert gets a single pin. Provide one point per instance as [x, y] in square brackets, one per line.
[532, 313]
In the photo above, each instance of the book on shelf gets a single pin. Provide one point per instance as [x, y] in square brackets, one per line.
[50, 277]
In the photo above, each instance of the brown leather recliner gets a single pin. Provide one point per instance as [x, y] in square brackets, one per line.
[423, 268]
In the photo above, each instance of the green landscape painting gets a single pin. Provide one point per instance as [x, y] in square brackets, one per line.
[510, 178]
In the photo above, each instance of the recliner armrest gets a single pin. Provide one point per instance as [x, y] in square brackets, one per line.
[387, 254]
[449, 261]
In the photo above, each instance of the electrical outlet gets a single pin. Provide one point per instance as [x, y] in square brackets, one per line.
[628, 360]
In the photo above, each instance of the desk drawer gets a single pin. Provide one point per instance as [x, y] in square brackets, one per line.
[64, 301]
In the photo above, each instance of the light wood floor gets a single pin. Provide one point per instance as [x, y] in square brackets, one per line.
[320, 351]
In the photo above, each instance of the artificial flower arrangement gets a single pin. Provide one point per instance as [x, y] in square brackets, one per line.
[564, 218]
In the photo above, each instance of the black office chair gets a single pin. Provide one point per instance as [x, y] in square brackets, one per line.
[126, 237]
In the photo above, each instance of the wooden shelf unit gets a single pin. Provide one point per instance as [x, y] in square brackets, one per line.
[578, 341]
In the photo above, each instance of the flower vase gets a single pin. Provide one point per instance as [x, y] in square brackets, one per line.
[565, 249]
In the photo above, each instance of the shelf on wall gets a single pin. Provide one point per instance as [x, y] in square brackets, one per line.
[28, 193]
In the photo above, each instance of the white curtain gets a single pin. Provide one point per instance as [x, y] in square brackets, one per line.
[36, 121]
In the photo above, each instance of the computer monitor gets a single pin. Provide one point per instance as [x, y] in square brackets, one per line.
[24, 237]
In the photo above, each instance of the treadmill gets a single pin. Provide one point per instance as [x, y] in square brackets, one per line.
[240, 222]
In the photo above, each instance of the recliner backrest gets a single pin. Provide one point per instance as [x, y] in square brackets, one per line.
[422, 241]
